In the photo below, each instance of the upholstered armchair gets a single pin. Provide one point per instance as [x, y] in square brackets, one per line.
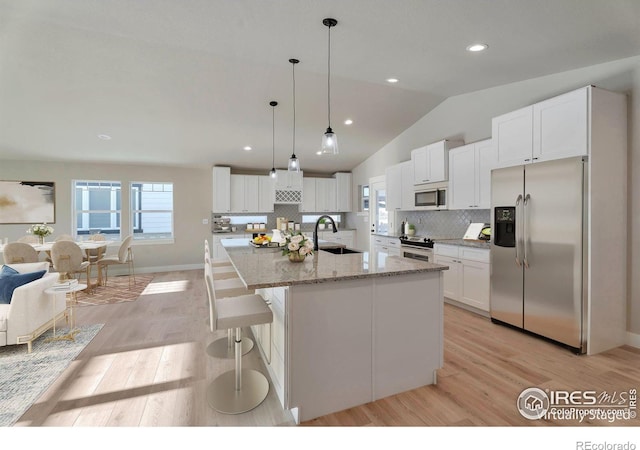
[30, 311]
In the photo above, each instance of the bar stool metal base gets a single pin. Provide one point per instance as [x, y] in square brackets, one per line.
[220, 348]
[223, 396]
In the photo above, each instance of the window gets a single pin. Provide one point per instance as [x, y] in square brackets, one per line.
[152, 210]
[314, 218]
[364, 197]
[97, 207]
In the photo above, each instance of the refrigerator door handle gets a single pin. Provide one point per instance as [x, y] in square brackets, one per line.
[518, 237]
[525, 219]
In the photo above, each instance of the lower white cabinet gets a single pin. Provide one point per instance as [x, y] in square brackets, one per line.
[389, 245]
[270, 338]
[467, 280]
[218, 253]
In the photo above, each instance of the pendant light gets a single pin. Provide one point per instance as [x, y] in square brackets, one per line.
[272, 172]
[329, 139]
[294, 164]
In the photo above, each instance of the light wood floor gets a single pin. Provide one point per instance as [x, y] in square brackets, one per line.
[148, 367]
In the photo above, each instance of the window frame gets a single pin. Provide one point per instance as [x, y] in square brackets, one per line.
[76, 211]
[136, 186]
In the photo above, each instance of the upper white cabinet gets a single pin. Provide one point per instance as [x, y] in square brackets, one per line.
[288, 180]
[393, 186]
[308, 195]
[221, 189]
[560, 126]
[470, 175]
[406, 175]
[431, 162]
[553, 129]
[343, 191]
[288, 189]
[512, 136]
[326, 195]
[267, 194]
[399, 187]
[245, 193]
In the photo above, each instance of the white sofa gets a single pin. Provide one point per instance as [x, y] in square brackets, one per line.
[31, 311]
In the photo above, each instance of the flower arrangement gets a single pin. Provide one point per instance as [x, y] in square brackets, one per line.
[41, 230]
[297, 246]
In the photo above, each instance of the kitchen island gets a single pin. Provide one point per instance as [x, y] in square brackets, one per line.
[347, 329]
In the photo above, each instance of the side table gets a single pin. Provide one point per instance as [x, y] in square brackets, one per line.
[71, 291]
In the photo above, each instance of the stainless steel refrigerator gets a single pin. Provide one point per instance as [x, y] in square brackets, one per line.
[538, 251]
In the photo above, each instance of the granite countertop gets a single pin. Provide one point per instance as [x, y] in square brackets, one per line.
[464, 243]
[267, 267]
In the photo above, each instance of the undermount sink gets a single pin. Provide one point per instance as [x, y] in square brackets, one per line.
[340, 250]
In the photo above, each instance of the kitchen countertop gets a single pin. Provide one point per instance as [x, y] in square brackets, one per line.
[266, 267]
[464, 243]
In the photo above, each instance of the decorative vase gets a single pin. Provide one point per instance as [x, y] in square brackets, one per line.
[296, 257]
[41, 239]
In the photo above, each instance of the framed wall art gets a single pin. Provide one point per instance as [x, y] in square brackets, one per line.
[27, 202]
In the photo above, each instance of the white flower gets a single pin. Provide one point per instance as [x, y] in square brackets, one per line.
[305, 251]
[308, 244]
[293, 246]
[297, 238]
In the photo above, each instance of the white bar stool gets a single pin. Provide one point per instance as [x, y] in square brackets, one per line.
[240, 390]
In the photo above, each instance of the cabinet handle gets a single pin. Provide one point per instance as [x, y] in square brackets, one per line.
[527, 159]
[535, 159]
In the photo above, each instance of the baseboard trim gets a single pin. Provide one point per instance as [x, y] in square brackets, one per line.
[124, 270]
[633, 339]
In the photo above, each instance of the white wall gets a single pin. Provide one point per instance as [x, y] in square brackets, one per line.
[469, 117]
[192, 203]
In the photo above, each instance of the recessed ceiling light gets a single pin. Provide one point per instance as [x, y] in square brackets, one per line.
[348, 122]
[104, 137]
[392, 80]
[477, 47]
[247, 148]
[319, 152]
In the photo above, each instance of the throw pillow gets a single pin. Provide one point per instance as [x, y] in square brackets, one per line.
[9, 282]
[6, 270]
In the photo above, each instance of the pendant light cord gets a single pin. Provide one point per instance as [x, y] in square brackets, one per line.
[273, 137]
[293, 150]
[329, 81]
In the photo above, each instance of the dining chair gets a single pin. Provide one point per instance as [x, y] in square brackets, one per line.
[240, 390]
[64, 237]
[19, 252]
[29, 239]
[94, 255]
[67, 257]
[124, 256]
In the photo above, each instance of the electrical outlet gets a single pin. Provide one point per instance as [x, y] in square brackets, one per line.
[205, 221]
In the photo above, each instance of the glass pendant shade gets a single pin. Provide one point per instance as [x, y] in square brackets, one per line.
[272, 173]
[329, 143]
[294, 164]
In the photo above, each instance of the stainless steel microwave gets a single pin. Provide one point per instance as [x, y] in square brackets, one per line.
[430, 198]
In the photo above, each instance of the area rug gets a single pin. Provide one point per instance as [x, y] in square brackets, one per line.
[25, 376]
[116, 291]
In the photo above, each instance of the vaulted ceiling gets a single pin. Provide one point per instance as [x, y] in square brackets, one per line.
[189, 82]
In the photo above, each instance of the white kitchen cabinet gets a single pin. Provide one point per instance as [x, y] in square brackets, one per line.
[218, 253]
[560, 126]
[266, 194]
[308, 195]
[326, 195]
[221, 189]
[245, 193]
[431, 162]
[470, 175]
[512, 135]
[389, 245]
[467, 280]
[408, 198]
[393, 180]
[343, 191]
[288, 180]
[552, 129]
